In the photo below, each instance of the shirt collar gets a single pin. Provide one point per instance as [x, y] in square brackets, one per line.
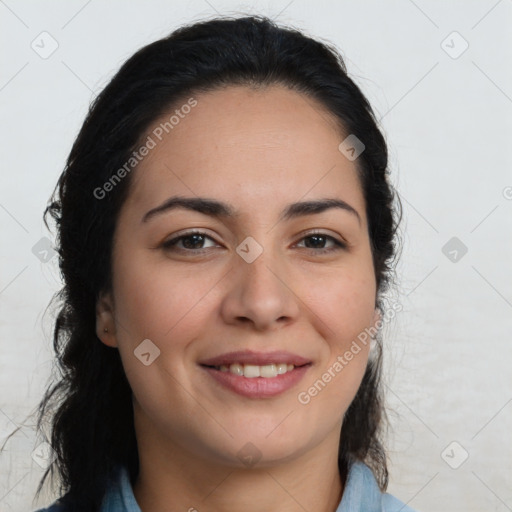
[361, 492]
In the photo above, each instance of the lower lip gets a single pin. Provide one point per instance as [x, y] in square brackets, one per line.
[258, 387]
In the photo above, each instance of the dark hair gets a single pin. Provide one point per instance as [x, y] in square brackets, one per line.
[92, 428]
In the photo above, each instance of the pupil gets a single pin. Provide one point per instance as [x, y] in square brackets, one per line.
[198, 239]
[193, 245]
[315, 237]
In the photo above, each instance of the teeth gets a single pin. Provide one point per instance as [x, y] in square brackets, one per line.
[250, 370]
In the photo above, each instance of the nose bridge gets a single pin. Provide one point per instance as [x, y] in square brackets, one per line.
[258, 290]
[260, 274]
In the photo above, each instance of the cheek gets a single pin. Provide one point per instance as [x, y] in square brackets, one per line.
[161, 305]
[169, 309]
[344, 305]
[343, 312]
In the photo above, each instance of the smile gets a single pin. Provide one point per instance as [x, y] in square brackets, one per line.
[251, 371]
[250, 381]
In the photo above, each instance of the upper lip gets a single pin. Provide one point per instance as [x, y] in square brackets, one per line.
[255, 358]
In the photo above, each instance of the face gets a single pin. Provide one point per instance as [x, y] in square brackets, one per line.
[254, 282]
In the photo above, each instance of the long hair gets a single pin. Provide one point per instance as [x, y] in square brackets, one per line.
[88, 405]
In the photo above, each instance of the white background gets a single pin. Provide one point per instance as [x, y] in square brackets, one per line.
[448, 122]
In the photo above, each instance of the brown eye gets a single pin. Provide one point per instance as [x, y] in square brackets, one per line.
[319, 239]
[191, 242]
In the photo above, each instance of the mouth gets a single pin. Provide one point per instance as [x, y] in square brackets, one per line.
[254, 358]
[251, 371]
[257, 375]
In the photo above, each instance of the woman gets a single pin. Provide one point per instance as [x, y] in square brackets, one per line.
[226, 232]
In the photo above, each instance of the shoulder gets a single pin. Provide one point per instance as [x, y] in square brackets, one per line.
[392, 504]
[118, 496]
[362, 493]
[57, 506]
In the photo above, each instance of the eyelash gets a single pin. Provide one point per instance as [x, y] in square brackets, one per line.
[169, 244]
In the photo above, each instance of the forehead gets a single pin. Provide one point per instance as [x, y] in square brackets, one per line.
[253, 148]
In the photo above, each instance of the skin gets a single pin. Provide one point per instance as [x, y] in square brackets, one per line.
[258, 150]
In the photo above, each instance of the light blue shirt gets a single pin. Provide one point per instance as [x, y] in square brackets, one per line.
[361, 494]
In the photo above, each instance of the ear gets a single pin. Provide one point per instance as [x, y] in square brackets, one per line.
[105, 321]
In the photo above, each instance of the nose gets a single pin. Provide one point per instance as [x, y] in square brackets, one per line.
[260, 294]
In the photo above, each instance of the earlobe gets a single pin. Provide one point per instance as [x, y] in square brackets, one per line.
[105, 322]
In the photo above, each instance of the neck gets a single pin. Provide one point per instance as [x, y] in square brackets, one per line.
[172, 479]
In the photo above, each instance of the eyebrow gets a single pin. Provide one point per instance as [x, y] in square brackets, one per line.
[218, 209]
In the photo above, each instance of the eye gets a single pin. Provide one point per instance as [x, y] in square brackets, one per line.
[190, 242]
[319, 238]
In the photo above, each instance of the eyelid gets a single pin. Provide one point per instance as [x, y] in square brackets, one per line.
[324, 232]
[177, 237]
[191, 231]
[302, 234]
